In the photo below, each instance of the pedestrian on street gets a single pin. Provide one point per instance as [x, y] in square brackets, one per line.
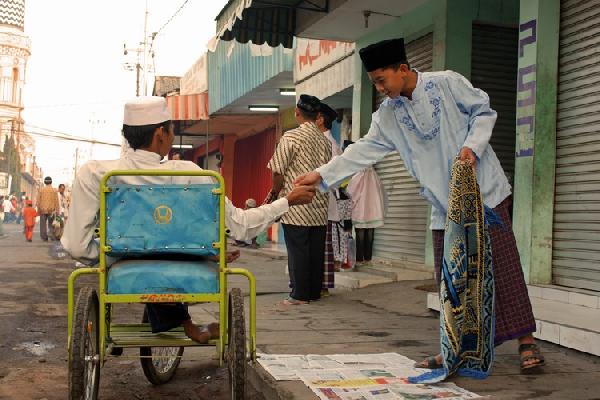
[14, 209]
[47, 207]
[20, 207]
[298, 152]
[431, 118]
[6, 208]
[63, 213]
[29, 215]
[250, 203]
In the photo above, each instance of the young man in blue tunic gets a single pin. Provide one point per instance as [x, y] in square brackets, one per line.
[430, 119]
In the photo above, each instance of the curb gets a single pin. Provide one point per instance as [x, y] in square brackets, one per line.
[279, 255]
[271, 389]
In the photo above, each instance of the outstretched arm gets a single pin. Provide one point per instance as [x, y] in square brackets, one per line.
[358, 157]
[247, 224]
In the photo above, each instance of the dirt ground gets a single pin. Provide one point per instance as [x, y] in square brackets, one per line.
[33, 332]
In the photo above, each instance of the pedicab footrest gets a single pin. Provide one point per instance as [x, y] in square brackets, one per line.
[140, 335]
[163, 276]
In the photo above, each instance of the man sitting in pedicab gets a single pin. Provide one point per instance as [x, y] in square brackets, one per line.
[149, 132]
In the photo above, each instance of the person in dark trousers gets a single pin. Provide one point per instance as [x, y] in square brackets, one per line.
[300, 151]
[47, 207]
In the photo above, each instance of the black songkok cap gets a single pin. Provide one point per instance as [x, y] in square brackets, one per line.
[383, 54]
[309, 103]
[328, 111]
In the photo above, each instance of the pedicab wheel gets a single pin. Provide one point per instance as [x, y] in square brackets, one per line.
[84, 356]
[159, 363]
[236, 349]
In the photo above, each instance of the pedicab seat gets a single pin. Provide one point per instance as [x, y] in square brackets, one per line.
[163, 276]
[143, 220]
[161, 233]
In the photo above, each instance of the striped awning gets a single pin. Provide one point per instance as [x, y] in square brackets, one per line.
[191, 107]
[259, 21]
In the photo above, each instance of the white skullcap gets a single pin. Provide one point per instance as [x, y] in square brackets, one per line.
[250, 203]
[147, 110]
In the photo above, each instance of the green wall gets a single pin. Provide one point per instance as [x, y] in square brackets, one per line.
[536, 137]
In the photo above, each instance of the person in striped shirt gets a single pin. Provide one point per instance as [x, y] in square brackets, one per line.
[300, 151]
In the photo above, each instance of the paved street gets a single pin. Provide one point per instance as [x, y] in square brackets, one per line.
[381, 318]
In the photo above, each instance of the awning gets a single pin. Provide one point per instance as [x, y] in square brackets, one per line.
[192, 107]
[238, 125]
[260, 21]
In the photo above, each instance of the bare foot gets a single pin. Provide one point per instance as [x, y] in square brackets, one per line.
[231, 256]
[200, 335]
[432, 362]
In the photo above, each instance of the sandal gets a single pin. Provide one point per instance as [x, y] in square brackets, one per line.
[293, 302]
[533, 353]
[429, 363]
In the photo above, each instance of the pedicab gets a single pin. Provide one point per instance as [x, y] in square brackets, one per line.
[143, 226]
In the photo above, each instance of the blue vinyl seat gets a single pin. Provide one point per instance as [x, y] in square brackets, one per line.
[163, 276]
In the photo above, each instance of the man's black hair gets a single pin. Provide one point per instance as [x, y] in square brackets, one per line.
[141, 136]
[310, 116]
[327, 121]
[396, 66]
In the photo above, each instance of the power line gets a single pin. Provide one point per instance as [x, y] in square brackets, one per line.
[155, 34]
[72, 104]
[170, 19]
[72, 139]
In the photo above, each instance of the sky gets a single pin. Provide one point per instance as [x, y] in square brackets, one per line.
[76, 81]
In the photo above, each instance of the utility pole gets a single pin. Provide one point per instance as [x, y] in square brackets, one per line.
[76, 162]
[141, 62]
[145, 43]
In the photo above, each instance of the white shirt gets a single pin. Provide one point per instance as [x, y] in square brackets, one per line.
[332, 209]
[7, 205]
[445, 114]
[335, 148]
[78, 238]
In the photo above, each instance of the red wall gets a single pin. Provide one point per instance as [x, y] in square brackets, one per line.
[200, 151]
[251, 177]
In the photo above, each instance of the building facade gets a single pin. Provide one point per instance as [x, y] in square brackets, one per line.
[18, 170]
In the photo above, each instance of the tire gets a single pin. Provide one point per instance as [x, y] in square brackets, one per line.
[161, 369]
[236, 349]
[84, 376]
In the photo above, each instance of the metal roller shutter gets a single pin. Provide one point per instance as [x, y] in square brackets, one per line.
[402, 238]
[494, 70]
[576, 237]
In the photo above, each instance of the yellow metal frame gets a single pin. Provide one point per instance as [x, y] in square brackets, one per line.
[108, 299]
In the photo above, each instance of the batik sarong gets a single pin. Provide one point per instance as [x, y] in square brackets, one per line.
[467, 284]
[329, 266]
[512, 307]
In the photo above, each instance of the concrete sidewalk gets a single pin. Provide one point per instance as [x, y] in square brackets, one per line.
[390, 317]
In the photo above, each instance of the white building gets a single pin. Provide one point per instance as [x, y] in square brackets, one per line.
[15, 48]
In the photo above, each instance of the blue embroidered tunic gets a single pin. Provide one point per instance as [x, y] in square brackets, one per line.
[445, 114]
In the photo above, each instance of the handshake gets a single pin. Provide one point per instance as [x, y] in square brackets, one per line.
[304, 189]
